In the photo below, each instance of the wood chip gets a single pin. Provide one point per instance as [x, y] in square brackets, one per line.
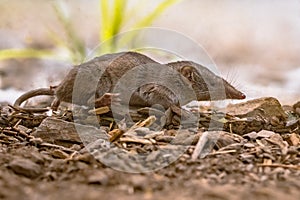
[115, 135]
[147, 122]
[205, 144]
[101, 110]
[45, 144]
[222, 152]
[136, 140]
[57, 153]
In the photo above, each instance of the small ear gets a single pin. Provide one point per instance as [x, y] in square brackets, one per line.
[188, 72]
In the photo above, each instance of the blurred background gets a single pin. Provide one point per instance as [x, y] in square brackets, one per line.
[255, 44]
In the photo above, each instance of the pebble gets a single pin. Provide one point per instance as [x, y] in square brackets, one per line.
[25, 167]
[265, 134]
[98, 177]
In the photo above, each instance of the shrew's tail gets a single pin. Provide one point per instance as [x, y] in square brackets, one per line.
[30, 94]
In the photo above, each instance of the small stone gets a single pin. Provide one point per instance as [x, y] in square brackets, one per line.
[183, 137]
[164, 138]
[274, 121]
[287, 108]
[153, 156]
[25, 167]
[294, 139]
[76, 147]
[143, 131]
[139, 182]
[37, 157]
[265, 134]
[98, 177]
[35, 141]
[247, 157]
[249, 145]
[251, 136]
[296, 107]
[64, 133]
[85, 157]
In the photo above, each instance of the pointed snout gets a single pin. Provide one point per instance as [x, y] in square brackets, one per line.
[236, 95]
[233, 93]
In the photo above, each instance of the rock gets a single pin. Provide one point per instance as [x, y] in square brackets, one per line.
[99, 144]
[64, 133]
[184, 137]
[265, 134]
[143, 131]
[84, 157]
[294, 139]
[164, 138]
[287, 108]
[296, 107]
[153, 156]
[139, 182]
[278, 140]
[225, 139]
[25, 167]
[98, 177]
[267, 107]
[260, 134]
[249, 145]
[251, 136]
[37, 157]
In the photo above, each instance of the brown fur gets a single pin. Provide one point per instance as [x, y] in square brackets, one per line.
[189, 78]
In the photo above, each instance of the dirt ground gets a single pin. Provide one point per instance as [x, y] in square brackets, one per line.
[42, 157]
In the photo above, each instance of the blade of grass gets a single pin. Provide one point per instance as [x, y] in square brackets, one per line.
[105, 20]
[119, 11]
[57, 39]
[146, 21]
[112, 19]
[106, 26]
[25, 53]
[118, 20]
[74, 44]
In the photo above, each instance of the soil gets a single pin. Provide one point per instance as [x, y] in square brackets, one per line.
[42, 158]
